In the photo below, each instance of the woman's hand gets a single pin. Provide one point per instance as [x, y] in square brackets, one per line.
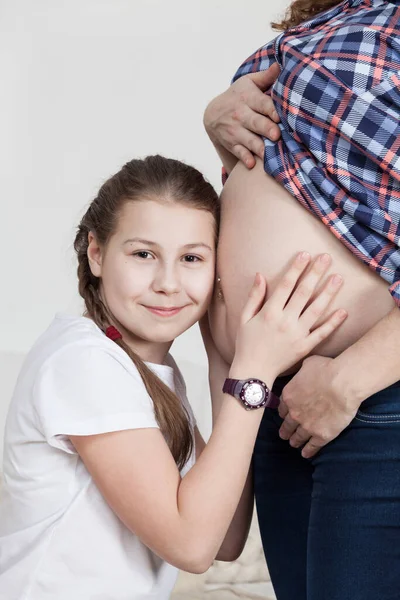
[237, 118]
[314, 407]
[275, 335]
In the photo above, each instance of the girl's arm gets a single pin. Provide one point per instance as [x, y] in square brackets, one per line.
[185, 520]
[236, 536]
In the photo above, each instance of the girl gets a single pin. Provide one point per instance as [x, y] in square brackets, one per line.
[101, 498]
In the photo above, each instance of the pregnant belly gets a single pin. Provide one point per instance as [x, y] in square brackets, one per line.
[262, 228]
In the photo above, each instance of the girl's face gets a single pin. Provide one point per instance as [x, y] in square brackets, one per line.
[157, 272]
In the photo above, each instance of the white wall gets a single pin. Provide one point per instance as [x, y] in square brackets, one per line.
[85, 86]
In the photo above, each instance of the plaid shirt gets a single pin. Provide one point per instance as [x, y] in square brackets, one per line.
[338, 98]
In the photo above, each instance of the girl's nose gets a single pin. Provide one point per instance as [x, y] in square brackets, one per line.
[166, 281]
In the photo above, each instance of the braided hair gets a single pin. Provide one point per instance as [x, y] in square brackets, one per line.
[152, 177]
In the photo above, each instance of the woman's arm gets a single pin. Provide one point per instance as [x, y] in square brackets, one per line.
[373, 362]
[324, 396]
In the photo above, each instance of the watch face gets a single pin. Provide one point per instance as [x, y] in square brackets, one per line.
[253, 393]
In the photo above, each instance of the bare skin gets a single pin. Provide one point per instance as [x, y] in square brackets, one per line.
[262, 227]
[362, 357]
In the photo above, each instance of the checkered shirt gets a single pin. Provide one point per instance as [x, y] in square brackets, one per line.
[338, 98]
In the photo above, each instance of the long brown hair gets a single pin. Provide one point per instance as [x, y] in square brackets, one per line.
[300, 11]
[153, 177]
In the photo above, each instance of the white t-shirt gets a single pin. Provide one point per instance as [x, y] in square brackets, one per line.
[59, 539]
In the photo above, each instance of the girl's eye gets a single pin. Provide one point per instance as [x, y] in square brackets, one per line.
[190, 258]
[143, 254]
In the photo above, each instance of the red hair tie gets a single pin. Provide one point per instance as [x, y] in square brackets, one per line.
[113, 333]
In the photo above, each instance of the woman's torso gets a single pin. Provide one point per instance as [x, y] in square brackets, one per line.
[262, 228]
[338, 158]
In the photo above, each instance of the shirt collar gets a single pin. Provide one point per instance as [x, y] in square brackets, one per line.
[371, 2]
[335, 10]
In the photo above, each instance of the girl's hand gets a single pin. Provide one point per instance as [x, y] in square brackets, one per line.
[237, 118]
[275, 335]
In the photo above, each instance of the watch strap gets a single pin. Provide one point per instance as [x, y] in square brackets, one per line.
[233, 387]
[230, 386]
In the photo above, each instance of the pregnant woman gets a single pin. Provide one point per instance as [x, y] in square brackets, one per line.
[322, 174]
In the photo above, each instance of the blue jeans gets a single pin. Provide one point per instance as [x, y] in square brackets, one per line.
[330, 525]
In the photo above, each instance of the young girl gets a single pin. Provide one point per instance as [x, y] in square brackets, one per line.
[101, 499]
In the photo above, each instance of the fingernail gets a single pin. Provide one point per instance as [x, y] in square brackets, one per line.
[336, 279]
[257, 279]
[275, 114]
[271, 132]
[324, 258]
[303, 256]
[342, 313]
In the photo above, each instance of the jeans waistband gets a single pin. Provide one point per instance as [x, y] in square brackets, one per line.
[280, 383]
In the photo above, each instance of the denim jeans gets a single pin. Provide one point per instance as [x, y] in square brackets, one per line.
[330, 525]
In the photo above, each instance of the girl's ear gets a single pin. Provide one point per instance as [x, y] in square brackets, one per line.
[94, 255]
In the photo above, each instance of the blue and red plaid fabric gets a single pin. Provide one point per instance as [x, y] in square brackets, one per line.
[338, 97]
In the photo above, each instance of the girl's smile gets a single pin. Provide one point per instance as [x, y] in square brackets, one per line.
[164, 311]
[157, 272]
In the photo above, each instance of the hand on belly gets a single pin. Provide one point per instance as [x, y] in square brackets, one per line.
[262, 228]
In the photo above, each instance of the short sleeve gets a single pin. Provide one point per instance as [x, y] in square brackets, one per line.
[85, 390]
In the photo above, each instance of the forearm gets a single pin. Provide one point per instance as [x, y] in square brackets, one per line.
[228, 160]
[208, 495]
[373, 362]
[238, 531]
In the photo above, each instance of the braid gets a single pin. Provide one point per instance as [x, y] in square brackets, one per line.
[152, 177]
[170, 414]
[88, 283]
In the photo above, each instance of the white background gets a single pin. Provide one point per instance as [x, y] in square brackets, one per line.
[85, 86]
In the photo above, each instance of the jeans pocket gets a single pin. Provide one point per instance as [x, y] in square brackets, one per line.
[382, 407]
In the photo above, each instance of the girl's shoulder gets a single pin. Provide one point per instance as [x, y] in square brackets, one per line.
[75, 346]
[75, 381]
[68, 334]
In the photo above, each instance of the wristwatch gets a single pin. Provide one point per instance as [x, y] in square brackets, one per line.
[252, 393]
